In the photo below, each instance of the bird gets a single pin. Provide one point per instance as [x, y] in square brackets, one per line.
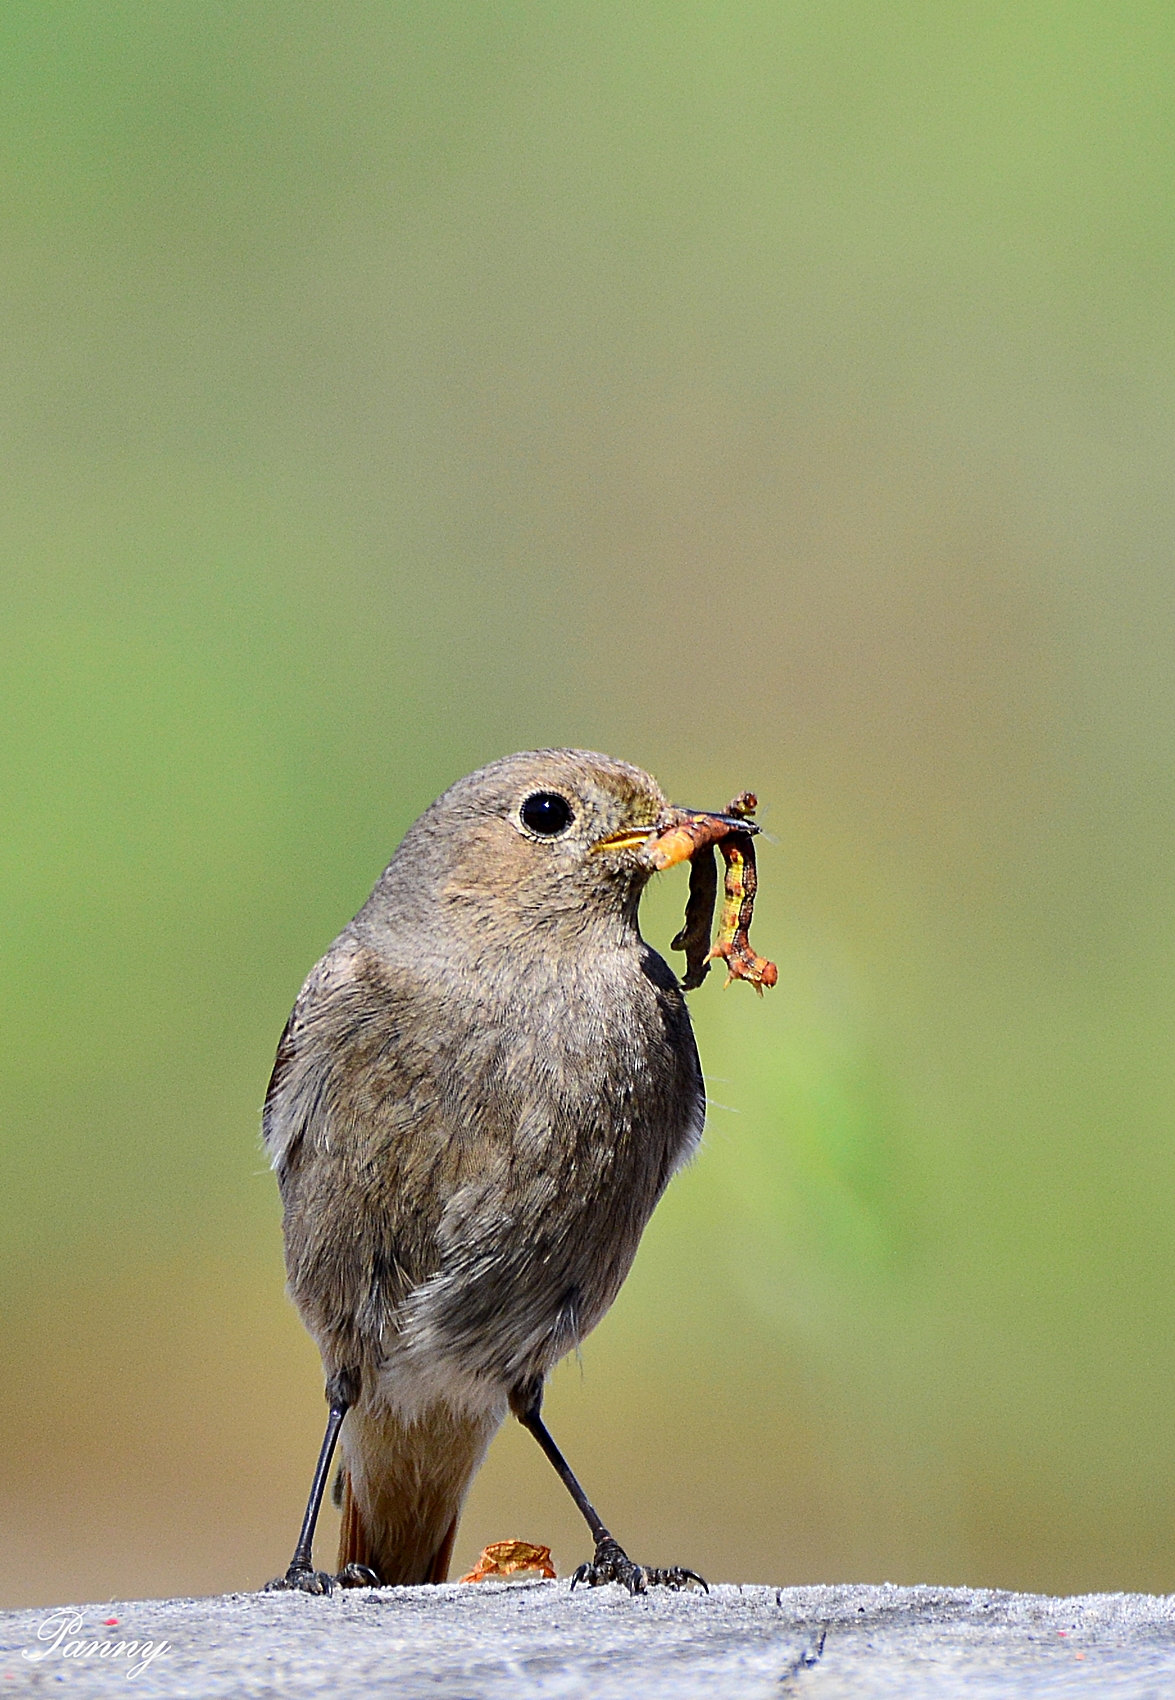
[481, 1093]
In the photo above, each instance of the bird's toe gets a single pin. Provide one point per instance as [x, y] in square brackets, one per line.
[355, 1575]
[677, 1576]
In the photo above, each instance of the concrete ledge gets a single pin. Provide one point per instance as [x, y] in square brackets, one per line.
[536, 1641]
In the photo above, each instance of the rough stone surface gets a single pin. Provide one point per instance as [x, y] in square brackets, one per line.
[531, 1641]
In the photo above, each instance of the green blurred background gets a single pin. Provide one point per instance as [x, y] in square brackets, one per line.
[770, 394]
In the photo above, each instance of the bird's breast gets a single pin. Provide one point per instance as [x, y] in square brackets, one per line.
[594, 1100]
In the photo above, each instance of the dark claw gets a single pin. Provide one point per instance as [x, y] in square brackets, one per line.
[302, 1580]
[612, 1564]
[675, 1577]
[356, 1575]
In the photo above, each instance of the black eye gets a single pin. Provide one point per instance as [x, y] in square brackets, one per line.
[546, 813]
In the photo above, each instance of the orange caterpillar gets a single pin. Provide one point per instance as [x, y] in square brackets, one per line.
[733, 944]
[694, 836]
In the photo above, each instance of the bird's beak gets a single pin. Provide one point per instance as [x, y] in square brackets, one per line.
[628, 838]
[675, 837]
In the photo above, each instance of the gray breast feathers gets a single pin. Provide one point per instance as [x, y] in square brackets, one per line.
[466, 1180]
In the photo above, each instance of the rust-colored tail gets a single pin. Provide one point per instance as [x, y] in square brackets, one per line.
[354, 1547]
[403, 1485]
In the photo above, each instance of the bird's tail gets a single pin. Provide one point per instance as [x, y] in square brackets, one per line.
[403, 1487]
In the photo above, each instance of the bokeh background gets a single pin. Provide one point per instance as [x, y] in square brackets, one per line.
[771, 394]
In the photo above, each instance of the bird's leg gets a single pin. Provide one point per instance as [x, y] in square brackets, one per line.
[611, 1563]
[341, 1392]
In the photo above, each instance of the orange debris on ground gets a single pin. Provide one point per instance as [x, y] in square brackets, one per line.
[513, 1561]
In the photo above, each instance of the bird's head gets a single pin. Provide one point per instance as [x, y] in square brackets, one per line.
[559, 839]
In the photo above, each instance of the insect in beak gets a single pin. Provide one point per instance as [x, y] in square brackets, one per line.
[677, 834]
[687, 831]
[691, 835]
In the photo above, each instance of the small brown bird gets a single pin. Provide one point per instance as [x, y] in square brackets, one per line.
[483, 1089]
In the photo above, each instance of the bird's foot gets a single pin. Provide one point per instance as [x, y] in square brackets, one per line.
[356, 1575]
[612, 1564]
[302, 1579]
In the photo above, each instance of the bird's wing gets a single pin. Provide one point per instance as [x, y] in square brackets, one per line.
[355, 1128]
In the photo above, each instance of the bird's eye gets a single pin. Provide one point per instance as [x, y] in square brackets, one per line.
[546, 813]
